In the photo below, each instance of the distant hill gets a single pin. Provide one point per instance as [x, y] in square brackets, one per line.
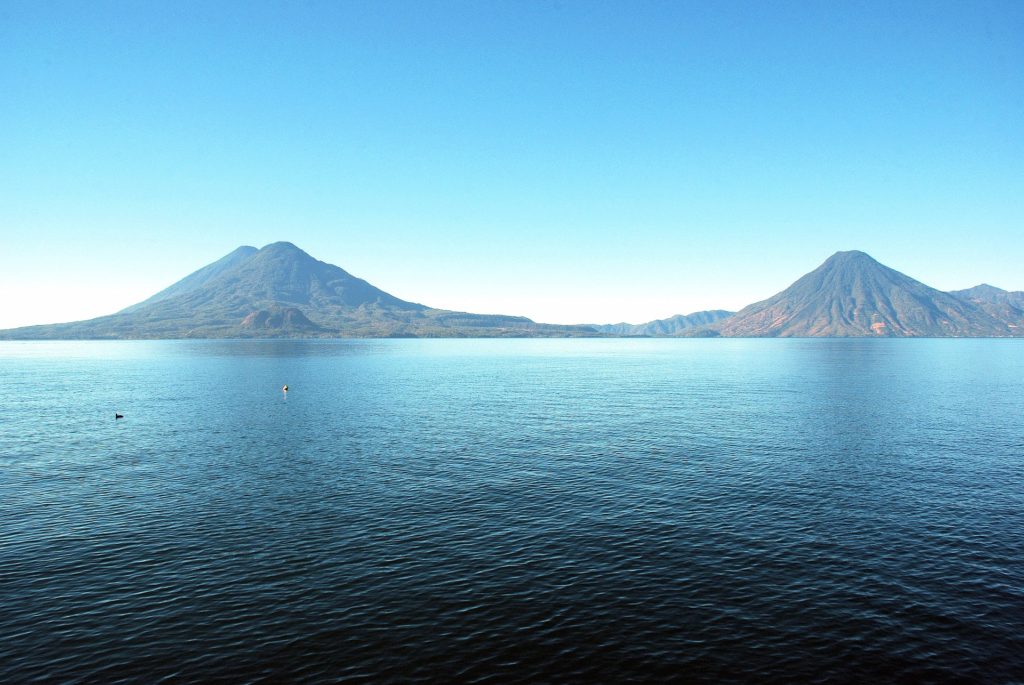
[851, 294]
[1004, 305]
[671, 326]
[280, 291]
[990, 293]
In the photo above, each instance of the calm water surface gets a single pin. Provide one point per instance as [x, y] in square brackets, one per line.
[512, 511]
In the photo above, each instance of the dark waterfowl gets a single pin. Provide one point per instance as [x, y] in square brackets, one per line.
[118, 416]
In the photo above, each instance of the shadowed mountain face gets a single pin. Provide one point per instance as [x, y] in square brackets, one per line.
[853, 295]
[680, 324]
[280, 291]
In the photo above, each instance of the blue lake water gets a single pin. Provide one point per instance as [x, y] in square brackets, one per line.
[512, 511]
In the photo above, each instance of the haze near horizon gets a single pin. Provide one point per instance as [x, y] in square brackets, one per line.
[572, 163]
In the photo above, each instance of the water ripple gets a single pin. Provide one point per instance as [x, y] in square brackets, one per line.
[512, 511]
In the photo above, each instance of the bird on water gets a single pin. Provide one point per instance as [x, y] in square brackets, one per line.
[285, 388]
[118, 416]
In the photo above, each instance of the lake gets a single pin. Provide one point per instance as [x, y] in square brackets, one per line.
[832, 510]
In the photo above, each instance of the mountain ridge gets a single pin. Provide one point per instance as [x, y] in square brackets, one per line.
[281, 291]
[671, 326]
[1001, 304]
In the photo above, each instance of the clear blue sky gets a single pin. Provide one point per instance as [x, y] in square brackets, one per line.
[567, 161]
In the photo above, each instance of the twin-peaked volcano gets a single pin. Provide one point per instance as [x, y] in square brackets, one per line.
[853, 295]
[280, 291]
[279, 275]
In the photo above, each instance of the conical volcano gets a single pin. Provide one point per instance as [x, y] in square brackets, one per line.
[851, 294]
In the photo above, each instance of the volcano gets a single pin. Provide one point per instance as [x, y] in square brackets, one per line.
[281, 291]
[851, 294]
